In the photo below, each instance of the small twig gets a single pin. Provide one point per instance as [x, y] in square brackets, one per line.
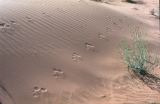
[149, 62]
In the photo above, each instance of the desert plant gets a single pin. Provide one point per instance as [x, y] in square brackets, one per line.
[137, 56]
[140, 62]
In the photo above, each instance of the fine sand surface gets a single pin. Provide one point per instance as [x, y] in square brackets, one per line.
[71, 48]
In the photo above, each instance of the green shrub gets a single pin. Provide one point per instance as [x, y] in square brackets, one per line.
[137, 56]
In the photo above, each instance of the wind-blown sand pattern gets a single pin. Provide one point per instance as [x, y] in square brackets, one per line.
[70, 50]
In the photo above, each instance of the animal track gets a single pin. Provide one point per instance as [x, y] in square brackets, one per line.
[76, 57]
[37, 92]
[102, 37]
[29, 19]
[89, 47]
[58, 73]
[7, 27]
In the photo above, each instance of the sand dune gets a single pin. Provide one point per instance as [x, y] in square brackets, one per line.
[71, 48]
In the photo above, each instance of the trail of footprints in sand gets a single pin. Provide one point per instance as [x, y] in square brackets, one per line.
[121, 89]
[80, 95]
[10, 26]
[116, 91]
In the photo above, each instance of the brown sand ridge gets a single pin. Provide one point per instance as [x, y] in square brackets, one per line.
[67, 52]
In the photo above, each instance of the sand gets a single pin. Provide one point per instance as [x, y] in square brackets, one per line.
[68, 52]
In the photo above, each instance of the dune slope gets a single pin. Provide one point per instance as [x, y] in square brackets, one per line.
[71, 48]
